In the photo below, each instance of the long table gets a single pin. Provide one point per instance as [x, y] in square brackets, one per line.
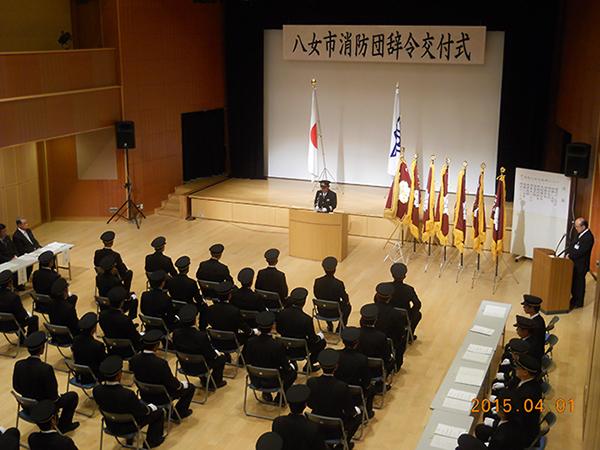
[450, 409]
[20, 264]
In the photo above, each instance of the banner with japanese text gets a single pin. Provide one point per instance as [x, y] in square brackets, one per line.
[375, 43]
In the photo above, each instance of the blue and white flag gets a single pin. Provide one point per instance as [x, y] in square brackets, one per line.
[396, 138]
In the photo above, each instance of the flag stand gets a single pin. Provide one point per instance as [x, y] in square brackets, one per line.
[395, 253]
[325, 174]
[499, 277]
[444, 261]
[461, 265]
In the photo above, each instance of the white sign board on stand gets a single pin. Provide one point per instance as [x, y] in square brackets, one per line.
[540, 210]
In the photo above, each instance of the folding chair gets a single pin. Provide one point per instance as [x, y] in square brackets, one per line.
[204, 374]
[546, 423]
[208, 289]
[409, 334]
[333, 307]
[334, 424]
[392, 347]
[546, 389]
[159, 389]
[41, 304]
[136, 436]
[9, 325]
[551, 341]
[550, 326]
[227, 342]
[379, 364]
[255, 376]
[61, 338]
[149, 323]
[249, 317]
[357, 391]
[297, 350]
[23, 405]
[547, 364]
[122, 347]
[272, 300]
[101, 303]
[77, 372]
[178, 304]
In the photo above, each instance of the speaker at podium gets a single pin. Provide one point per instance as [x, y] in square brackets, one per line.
[551, 279]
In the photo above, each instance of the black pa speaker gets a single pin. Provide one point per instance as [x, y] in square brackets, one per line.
[125, 130]
[577, 159]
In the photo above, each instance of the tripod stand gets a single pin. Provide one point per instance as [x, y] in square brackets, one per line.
[128, 210]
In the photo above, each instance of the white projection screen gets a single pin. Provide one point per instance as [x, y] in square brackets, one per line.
[448, 110]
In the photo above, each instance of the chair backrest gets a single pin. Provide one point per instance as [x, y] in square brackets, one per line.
[178, 303]
[8, 323]
[546, 363]
[331, 423]
[102, 302]
[150, 321]
[58, 330]
[376, 363]
[293, 343]
[248, 315]
[356, 390]
[552, 340]
[207, 284]
[271, 299]
[404, 312]
[151, 389]
[328, 305]
[546, 387]
[221, 335]
[112, 343]
[552, 323]
[80, 370]
[189, 358]
[119, 418]
[262, 373]
[40, 299]
[24, 402]
[99, 270]
[549, 418]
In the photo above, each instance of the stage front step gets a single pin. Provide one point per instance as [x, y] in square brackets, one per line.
[177, 203]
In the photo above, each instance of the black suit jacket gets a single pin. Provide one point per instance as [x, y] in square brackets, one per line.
[88, 351]
[330, 397]
[149, 368]
[157, 261]
[22, 244]
[195, 342]
[526, 398]
[35, 379]
[264, 351]
[117, 399]
[43, 279]
[404, 297]
[115, 324]
[326, 200]
[213, 270]
[393, 323]
[9, 440]
[273, 280]
[64, 313]
[10, 302]
[245, 298]
[330, 288]
[102, 252]
[50, 441]
[373, 343]
[7, 249]
[295, 323]
[183, 288]
[353, 368]
[157, 303]
[298, 433]
[507, 436]
[105, 282]
[580, 251]
[226, 317]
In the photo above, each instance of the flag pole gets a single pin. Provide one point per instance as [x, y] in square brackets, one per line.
[445, 256]
[477, 270]
[325, 174]
[461, 262]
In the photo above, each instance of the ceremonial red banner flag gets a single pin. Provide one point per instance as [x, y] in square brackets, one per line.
[479, 226]
[442, 222]
[414, 202]
[498, 217]
[396, 205]
[429, 204]
[460, 211]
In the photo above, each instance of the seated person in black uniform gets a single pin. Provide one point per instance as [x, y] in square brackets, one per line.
[328, 287]
[185, 289]
[115, 324]
[8, 251]
[156, 301]
[264, 351]
[194, 341]
[331, 397]
[223, 316]
[245, 298]
[270, 278]
[88, 351]
[404, 296]
[213, 269]
[293, 322]
[506, 376]
[353, 368]
[325, 198]
[152, 369]
[33, 378]
[112, 397]
[468, 442]
[531, 307]
[525, 330]
[46, 275]
[109, 278]
[391, 321]
[10, 302]
[48, 438]
[23, 238]
[10, 438]
[297, 432]
[506, 433]
[108, 239]
[269, 441]
[63, 311]
[158, 260]
[527, 396]
[373, 343]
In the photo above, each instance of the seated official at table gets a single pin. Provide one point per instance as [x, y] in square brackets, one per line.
[23, 238]
[325, 199]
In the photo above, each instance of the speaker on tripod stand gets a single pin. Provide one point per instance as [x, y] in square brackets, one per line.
[125, 134]
[577, 164]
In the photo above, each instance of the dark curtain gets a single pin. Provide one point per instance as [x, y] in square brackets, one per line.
[203, 143]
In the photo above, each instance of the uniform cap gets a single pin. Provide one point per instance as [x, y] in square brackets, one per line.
[187, 314]
[529, 363]
[111, 366]
[35, 341]
[468, 442]
[531, 300]
[328, 358]
[5, 277]
[265, 319]
[350, 334]
[298, 393]
[152, 337]
[298, 295]
[157, 275]
[224, 287]
[58, 287]
[324, 183]
[398, 270]
[158, 242]
[246, 275]
[117, 295]
[524, 322]
[45, 257]
[107, 236]
[517, 345]
[272, 254]
[369, 311]
[182, 262]
[43, 411]
[329, 263]
[88, 321]
[107, 262]
[385, 289]
[269, 441]
[216, 249]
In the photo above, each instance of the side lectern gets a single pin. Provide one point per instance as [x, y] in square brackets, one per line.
[317, 235]
[551, 280]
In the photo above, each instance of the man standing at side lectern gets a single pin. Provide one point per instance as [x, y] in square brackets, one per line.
[325, 199]
[580, 251]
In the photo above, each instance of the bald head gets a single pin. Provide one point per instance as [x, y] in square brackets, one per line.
[581, 224]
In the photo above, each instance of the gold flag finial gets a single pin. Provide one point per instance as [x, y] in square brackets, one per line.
[482, 166]
[464, 163]
[313, 82]
[502, 170]
[397, 85]
[447, 161]
[416, 156]
[432, 158]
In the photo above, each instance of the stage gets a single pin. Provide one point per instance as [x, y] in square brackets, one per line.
[267, 202]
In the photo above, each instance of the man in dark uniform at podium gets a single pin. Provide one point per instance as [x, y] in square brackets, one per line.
[325, 199]
[580, 251]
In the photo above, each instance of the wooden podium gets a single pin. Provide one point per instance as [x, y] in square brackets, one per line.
[316, 235]
[551, 280]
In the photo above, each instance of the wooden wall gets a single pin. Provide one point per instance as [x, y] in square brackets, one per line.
[19, 185]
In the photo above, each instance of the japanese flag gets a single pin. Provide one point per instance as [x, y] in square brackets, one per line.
[313, 138]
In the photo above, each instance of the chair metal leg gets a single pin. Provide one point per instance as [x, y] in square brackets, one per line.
[101, 432]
